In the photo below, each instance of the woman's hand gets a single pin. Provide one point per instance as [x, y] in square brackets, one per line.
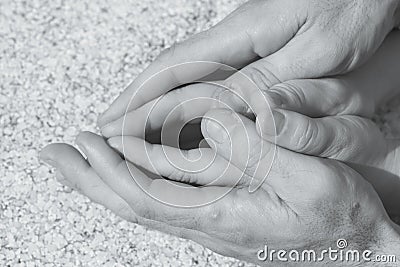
[271, 42]
[306, 202]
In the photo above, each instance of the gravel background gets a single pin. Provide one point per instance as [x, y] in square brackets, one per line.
[62, 62]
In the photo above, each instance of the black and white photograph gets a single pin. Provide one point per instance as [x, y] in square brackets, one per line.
[200, 133]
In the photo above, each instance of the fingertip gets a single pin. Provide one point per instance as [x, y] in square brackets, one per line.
[108, 130]
[106, 117]
[276, 99]
[82, 137]
[115, 142]
[50, 153]
[269, 124]
[216, 124]
[215, 131]
[88, 141]
[101, 120]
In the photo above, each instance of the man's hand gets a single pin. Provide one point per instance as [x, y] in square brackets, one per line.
[271, 42]
[306, 202]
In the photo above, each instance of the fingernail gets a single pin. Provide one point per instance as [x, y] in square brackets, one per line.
[102, 119]
[277, 99]
[106, 130]
[216, 132]
[114, 143]
[267, 123]
[279, 120]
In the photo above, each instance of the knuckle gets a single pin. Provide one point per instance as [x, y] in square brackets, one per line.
[292, 92]
[334, 54]
[338, 97]
[342, 148]
[341, 57]
[308, 133]
[354, 103]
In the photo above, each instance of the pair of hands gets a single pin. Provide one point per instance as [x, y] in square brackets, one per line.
[303, 194]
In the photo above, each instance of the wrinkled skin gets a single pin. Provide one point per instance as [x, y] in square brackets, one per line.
[305, 203]
[274, 41]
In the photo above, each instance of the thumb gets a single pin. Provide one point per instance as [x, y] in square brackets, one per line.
[235, 138]
[321, 97]
[345, 138]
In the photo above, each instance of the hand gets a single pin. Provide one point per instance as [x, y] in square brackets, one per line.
[333, 132]
[359, 92]
[271, 42]
[306, 202]
[351, 139]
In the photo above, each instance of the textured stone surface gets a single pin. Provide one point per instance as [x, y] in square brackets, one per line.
[61, 63]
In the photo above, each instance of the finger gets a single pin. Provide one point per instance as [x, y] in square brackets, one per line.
[74, 171]
[206, 50]
[346, 138]
[196, 166]
[355, 93]
[274, 169]
[158, 199]
[181, 104]
[236, 139]
[291, 62]
[322, 97]
[173, 109]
